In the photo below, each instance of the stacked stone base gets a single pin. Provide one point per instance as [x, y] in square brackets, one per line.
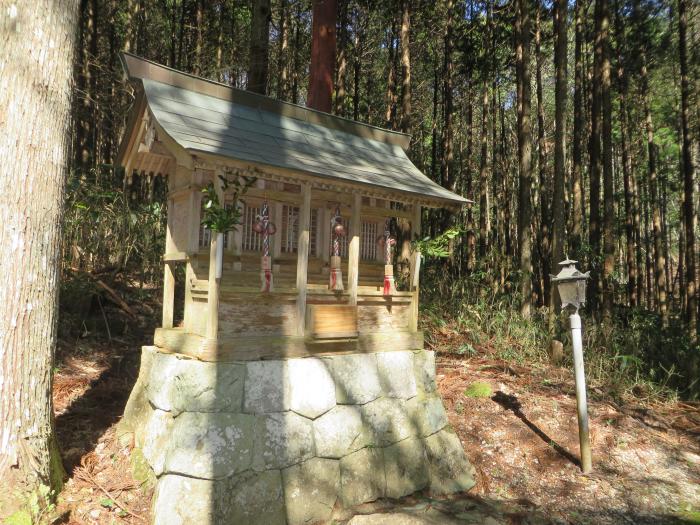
[290, 441]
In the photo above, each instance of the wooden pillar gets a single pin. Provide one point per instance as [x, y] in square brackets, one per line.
[415, 267]
[194, 204]
[278, 209]
[416, 222]
[169, 277]
[303, 256]
[213, 284]
[354, 248]
[324, 235]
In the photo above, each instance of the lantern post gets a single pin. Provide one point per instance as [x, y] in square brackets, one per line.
[571, 284]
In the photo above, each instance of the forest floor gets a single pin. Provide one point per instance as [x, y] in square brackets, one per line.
[520, 433]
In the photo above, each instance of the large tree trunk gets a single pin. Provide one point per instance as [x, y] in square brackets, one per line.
[35, 88]
[560, 96]
[322, 55]
[258, 69]
[608, 182]
[688, 174]
[522, 54]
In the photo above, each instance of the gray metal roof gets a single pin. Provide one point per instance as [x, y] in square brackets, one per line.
[204, 116]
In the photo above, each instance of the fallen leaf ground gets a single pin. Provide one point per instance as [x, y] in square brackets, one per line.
[521, 436]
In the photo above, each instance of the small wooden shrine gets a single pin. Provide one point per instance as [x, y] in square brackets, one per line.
[288, 381]
[325, 189]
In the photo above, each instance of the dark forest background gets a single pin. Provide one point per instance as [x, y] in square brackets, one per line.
[574, 127]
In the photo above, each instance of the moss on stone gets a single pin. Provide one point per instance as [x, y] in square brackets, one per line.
[140, 469]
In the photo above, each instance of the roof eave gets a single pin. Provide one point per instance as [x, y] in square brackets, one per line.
[426, 200]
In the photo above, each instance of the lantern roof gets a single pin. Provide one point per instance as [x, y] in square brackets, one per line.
[202, 116]
[569, 272]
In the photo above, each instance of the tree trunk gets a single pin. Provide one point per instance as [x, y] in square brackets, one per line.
[258, 69]
[688, 174]
[448, 176]
[390, 115]
[577, 154]
[199, 39]
[87, 78]
[648, 249]
[654, 202]
[627, 173]
[522, 54]
[560, 95]
[594, 232]
[218, 65]
[544, 247]
[181, 31]
[406, 66]
[471, 235]
[358, 41]
[484, 174]
[322, 55]
[297, 49]
[283, 59]
[341, 74]
[35, 77]
[484, 204]
[608, 182]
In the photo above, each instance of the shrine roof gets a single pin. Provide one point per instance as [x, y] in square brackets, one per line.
[213, 118]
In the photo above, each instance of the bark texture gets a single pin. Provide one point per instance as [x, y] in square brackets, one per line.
[522, 57]
[322, 55]
[35, 102]
[560, 96]
[688, 174]
[258, 71]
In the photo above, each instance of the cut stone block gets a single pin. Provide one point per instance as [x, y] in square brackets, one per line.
[424, 368]
[266, 387]
[185, 385]
[210, 446]
[387, 421]
[281, 440]
[136, 411]
[311, 387]
[180, 500]
[362, 477]
[356, 378]
[311, 490]
[156, 436]
[396, 374]
[448, 467]
[252, 498]
[406, 468]
[427, 414]
[340, 432]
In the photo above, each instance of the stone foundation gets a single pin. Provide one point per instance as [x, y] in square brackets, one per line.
[286, 442]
